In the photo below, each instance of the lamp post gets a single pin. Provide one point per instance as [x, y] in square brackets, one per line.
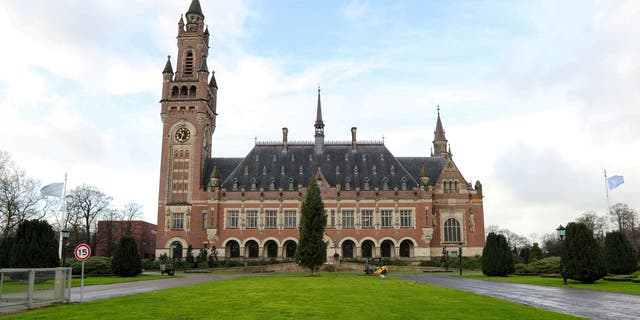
[460, 255]
[64, 235]
[560, 232]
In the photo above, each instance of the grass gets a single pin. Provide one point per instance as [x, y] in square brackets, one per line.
[299, 297]
[94, 280]
[600, 285]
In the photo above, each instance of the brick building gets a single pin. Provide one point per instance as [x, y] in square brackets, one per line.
[376, 204]
[110, 232]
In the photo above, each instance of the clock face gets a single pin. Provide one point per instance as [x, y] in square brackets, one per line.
[183, 134]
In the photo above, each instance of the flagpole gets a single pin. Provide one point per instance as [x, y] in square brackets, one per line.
[606, 187]
[62, 210]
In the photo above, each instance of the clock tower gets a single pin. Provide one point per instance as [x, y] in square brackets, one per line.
[188, 113]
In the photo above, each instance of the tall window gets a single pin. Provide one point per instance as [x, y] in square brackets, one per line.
[452, 230]
[347, 218]
[188, 64]
[290, 219]
[367, 219]
[386, 218]
[232, 219]
[252, 219]
[177, 221]
[332, 218]
[270, 219]
[205, 218]
[405, 218]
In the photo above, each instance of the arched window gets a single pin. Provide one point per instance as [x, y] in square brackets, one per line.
[367, 249]
[233, 249]
[406, 247]
[174, 91]
[347, 249]
[272, 249]
[188, 64]
[192, 91]
[176, 250]
[386, 248]
[184, 91]
[252, 249]
[290, 249]
[452, 230]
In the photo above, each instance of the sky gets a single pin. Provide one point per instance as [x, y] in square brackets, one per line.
[537, 98]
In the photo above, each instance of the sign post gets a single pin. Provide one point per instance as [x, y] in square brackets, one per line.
[82, 253]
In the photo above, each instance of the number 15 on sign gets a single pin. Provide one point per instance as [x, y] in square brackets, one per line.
[82, 253]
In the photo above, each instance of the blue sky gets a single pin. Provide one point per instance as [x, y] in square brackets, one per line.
[537, 97]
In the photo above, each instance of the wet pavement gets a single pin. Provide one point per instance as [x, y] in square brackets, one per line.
[127, 288]
[583, 303]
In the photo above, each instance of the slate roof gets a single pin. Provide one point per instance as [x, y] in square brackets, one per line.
[195, 8]
[268, 167]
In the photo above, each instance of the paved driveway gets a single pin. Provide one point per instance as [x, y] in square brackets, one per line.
[126, 288]
[584, 303]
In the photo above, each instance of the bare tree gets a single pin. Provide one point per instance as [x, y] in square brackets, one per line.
[20, 198]
[627, 221]
[111, 223]
[597, 224]
[515, 240]
[129, 213]
[85, 203]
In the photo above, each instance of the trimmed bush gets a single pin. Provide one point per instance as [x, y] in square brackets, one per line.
[497, 259]
[619, 254]
[584, 256]
[126, 261]
[150, 264]
[94, 266]
[543, 266]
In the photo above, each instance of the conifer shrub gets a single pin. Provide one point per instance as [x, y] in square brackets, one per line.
[312, 249]
[126, 261]
[584, 259]
[94, 266]
[497, 258]
[619, 254]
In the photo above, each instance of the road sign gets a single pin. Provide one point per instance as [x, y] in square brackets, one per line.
[82, 252]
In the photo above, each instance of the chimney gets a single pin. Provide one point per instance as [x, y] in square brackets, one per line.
[285, 132]
[354, 147]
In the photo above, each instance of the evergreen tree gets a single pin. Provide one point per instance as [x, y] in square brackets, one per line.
[584, 259]
[535, 253]
[126, 261]
[312, 250]
[189, 259]
[619, 254]
[497, 258]
[33, 246]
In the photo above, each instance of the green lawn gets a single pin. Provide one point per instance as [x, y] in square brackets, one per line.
[89, 281]
[600, 285]
[299, 297]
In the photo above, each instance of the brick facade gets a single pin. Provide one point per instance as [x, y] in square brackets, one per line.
[248, 207]
[110, 232]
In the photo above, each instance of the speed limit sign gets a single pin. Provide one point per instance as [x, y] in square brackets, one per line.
[82, 252]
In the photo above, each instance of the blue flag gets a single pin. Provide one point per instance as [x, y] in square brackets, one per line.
[52, 190]
[614, 182]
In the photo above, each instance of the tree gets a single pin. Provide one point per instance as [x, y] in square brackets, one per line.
[619, 254]
[20, 198]
[551, 245]
[189, 258]
[85, 203]
[597, 224]
[129, 213]
[312, 249]
[584, 260]
[535, 253]
[627, 220]
[33, 246]
[497, 259]
[126, 260]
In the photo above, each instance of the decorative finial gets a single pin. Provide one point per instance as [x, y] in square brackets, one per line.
[169, 56]
[438, 109]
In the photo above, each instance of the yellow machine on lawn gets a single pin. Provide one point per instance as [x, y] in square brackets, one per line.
[375, 267]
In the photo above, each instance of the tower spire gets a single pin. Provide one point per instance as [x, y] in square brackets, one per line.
[439, 139]
[319, 125]
[167, 66]
[195, 8]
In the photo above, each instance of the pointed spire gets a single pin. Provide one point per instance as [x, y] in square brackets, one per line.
[319, 122]
[195, 8]
[181, 21]
[212, 83]
[439, 133]
[206, 31]
[167, 66]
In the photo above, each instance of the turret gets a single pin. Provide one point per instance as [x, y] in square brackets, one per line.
[439, 139]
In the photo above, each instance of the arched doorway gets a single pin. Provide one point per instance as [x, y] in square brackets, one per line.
[290, 249]
[347, 249]
[406, 247]
[367, 249]
[232, 249]
[176, 250]
[386, 249]
[271, 249]
[252, 249]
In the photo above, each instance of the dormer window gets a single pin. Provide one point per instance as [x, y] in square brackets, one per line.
[272, 184]
[290, 184]
[253, 184]
[403, 183]
[385, 183]
[234, 186]
[365, 186]
[347, 184]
